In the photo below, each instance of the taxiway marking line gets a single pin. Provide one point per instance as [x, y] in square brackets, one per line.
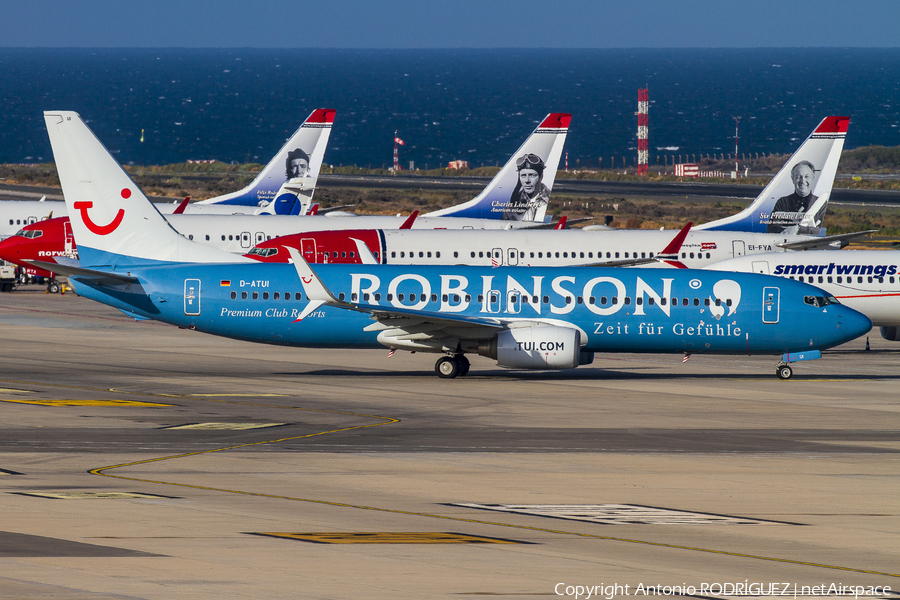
[67, 403]
[100, 470]
[389, 421]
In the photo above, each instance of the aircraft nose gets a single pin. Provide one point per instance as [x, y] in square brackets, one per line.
[6, 249]
[853, 324]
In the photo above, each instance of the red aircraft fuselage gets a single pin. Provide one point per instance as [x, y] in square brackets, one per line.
[319, 247]
[41, 241]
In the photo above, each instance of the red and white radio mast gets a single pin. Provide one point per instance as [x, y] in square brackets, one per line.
[643, 115]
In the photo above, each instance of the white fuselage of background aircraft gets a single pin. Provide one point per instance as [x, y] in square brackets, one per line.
[865, 280]
[239, 233]
[16, 213]
[570, 246]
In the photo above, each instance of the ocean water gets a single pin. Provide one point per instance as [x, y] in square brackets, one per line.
[475, 105]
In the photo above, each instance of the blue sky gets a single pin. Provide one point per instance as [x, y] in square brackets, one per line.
[451, 23]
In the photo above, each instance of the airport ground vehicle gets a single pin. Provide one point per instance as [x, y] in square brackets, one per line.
[9, 276]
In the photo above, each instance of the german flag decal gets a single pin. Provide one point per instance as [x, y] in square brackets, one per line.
[225, 283]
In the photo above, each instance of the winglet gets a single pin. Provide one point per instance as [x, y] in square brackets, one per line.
[408, 223]
[365, 255]
[674, 246]
[312, 285]
[669, 254]
[561, 224]
[179, 210]
[315, 290]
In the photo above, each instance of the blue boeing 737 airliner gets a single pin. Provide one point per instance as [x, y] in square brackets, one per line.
[523, 317]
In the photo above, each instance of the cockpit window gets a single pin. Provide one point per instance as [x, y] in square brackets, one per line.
[264, 252]
[34, 233]
[820, 300]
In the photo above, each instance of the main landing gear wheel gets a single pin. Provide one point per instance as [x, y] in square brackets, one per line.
[463, 364]
[447, 367]
[53, 287]
[784, 372]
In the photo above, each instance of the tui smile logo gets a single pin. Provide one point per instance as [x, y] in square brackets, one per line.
[101, 229]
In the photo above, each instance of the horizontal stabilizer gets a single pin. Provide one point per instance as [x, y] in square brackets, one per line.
[827, 241]
[83, 273]
[567, 224]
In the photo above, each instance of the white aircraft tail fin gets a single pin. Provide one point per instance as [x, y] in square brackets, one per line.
[288, 182]
[113, 221]
[796, 198]
[521, 190]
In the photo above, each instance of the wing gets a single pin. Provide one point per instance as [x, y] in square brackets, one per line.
[397, 323]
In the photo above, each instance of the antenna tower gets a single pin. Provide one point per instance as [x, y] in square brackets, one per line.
[643, 115]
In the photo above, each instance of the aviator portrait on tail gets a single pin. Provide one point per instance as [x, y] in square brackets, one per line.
[530, 194]
[790, 210]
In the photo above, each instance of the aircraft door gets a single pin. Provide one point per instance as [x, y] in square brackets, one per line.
[192, 296]
[308, 249]
[513, 302]
[259, 238]
[761, 267]
[496, 257]
[245, 239]
[492, 302]
[512, 257]
[771, 304]
[739, 247]
[69, 238]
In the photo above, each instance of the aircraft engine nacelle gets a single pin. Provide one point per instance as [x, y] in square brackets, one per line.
[539, 347]
[891, 333]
